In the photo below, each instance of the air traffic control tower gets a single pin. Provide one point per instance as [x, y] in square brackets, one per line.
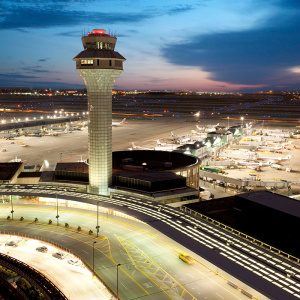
[99, 66]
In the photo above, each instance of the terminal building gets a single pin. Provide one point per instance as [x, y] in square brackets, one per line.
[269, 217]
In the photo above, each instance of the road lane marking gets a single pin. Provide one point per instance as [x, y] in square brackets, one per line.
[45, 227]
[124, 286]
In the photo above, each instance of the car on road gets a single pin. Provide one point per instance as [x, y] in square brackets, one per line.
[59, 255]
[74, 262]
[221, 184]
[186, 258]
[12, 243]
[43, 249]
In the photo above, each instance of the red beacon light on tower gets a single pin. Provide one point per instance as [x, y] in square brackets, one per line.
[98, 31]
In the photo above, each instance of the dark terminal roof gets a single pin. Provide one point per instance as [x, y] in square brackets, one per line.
[8, 170]
[274, 201]
[99, 53]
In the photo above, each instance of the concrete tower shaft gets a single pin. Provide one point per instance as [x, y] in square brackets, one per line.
[99, 66]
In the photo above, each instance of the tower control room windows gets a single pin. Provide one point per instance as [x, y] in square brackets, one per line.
[99, 45]
[86, 62]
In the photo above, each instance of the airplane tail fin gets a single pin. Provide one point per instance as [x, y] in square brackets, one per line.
[133, 145]
[123, 121]
[158, 142]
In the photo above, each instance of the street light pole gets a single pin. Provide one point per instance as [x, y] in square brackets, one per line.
[97, 227]
[118, 281]
[228, 122]
[12, 208]
[57, 216]
[94, 257]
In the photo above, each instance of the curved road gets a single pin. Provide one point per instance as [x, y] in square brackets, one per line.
[269, 273]
[150, 267]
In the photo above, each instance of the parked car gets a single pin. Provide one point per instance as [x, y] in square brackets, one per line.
[74, 262]
[12, 243]
[43, 249]
[59, 255]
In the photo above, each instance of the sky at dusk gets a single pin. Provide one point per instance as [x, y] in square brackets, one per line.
[203, 45]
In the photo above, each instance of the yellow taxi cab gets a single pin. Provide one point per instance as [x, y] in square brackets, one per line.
[186, 258]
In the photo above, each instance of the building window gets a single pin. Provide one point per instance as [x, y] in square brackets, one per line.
[86, 62]
[110, 63]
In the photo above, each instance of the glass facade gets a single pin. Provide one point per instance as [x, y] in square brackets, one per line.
[99, 84]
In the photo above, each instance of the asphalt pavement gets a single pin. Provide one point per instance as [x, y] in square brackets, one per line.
[152, 277]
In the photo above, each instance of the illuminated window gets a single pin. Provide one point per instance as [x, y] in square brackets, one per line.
[86, 62]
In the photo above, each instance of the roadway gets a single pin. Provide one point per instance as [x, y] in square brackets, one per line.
[253, 265]
[150, 267]
[74, 281]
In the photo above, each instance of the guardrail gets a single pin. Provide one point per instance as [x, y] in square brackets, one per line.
[37, 279]
[7, 232]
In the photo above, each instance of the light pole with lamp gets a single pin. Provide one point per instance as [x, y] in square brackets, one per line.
[12, 208]
[94, 257]
[228, 122]
[97, 227]
[118, 281]
[57, 216]
[242, 118]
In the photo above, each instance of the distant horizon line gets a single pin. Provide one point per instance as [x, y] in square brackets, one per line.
[149, 90]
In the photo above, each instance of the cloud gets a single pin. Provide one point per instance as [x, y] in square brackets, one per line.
[180, 9]
[39, 84]
[254, 57]
[16, 75]
[35, 70]
[73, 33]
[43, 59]
[49, 15]
[21, 14]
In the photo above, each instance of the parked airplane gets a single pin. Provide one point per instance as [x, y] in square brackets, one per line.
[211, 128]
[274, 158]
[57, 132]
[200, 128]
[180, 139]
[269, 148]
[254, 164]
[116, 124]
[8, 136]
[138, 147]
[165, 146]
[194, 132]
